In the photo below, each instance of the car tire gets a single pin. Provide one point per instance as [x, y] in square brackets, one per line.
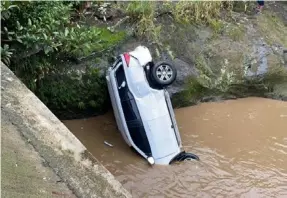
[184, 156]
[163, 73]
[190, 156]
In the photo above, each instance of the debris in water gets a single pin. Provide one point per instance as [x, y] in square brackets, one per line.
[106, 143]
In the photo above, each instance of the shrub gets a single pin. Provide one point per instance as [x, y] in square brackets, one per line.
[73, 93]
[46, 26]
[142, 13]
[197, 11]
[40, 38]
[236, 33]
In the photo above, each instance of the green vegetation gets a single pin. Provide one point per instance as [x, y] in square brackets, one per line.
[40, 40]
[55, 48]
[272, 28]
[145, 13]
[142, 13]
[61, 92]
[197, 11]
[208, 80]
[236, 33]
[231, 84]
[217, 26]
[243, 6]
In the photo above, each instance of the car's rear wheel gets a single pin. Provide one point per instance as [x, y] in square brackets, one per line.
[184, 156]
[163, 73]
[189, 156]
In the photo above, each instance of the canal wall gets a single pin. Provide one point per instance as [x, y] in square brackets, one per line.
[59, 149]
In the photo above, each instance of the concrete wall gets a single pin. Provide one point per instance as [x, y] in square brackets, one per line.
[60, 149]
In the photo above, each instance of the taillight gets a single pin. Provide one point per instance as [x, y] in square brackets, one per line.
[127, 58]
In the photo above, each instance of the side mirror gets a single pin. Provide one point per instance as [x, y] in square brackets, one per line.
[123, 84]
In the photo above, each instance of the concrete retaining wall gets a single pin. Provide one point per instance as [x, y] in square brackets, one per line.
[61, 150]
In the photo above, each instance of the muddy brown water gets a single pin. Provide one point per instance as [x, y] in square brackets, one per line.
[242, 145]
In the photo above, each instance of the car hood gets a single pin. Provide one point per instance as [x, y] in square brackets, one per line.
[157, 121]
[162, 137]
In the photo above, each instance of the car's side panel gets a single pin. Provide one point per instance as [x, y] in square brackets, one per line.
[132, 116]
[113, 98]
[162, 137]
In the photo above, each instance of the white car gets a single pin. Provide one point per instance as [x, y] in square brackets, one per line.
[142, 106]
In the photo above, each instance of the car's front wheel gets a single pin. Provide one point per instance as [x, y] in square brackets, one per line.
[163, 73]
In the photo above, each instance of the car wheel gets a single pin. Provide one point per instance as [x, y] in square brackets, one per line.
[190, 156]
[184, 156]
[163, 73]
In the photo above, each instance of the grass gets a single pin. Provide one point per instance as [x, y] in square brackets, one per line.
[272, 28]
[106, 40]
[202, 65]
[210, 80]
[138, 9]
[236, 33]
[144, 13]
[111, 38]
[241, 6]
[217, 26]
[197, 11]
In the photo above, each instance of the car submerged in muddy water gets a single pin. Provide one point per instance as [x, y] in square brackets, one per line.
[142, 106]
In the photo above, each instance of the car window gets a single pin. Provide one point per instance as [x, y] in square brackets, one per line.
[118, 60]
[120, 74]
[140, 139]
[130, 110]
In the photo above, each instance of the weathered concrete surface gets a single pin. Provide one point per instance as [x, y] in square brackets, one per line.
[24, 173]
[60, 149]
